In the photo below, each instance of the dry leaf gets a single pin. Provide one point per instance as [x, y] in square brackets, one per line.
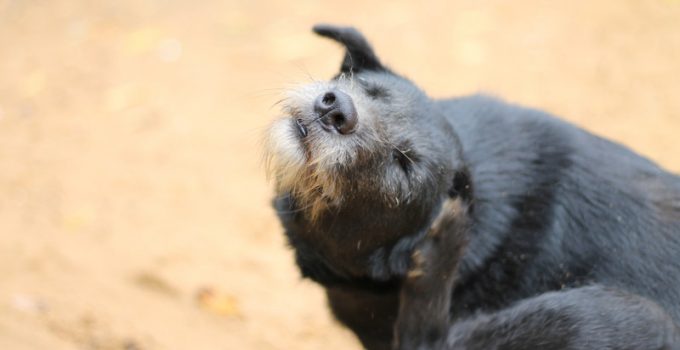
[155, 283]
[217, 303]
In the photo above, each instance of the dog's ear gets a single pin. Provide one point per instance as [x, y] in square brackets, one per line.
[359, 55]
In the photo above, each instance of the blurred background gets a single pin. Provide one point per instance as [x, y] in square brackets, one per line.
[134, 211]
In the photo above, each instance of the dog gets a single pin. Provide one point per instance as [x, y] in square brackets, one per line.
[471, 223]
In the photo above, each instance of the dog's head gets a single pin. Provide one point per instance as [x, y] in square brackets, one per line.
[362, 164]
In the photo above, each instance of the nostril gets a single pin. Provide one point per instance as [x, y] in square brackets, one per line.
[325, 103]
[344, 122]
[328, 98]
[333, 119]
[338, 120]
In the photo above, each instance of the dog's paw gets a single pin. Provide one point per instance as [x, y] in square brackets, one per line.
[438, 254]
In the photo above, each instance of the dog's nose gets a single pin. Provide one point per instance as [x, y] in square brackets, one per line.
[336, 111]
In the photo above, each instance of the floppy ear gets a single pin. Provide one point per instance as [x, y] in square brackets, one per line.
[359, 54]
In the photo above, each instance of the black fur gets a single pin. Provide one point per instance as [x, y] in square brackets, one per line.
[359, 54]
[574, 241]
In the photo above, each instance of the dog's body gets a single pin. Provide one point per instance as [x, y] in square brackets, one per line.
[556, 207]
[573, 241]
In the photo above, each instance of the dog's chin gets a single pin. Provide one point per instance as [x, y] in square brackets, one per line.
[299, 164]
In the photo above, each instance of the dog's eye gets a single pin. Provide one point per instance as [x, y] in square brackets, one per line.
[402, 159]
[377, 92]
[373, 90]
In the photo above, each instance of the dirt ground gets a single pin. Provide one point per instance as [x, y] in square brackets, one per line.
[134, 211]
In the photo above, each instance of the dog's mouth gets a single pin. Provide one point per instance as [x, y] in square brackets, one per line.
[301, 128]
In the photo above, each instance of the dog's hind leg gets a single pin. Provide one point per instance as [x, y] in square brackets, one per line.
[586, 318]
[591, 317]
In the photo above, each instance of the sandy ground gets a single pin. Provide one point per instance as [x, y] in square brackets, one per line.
[133, 208]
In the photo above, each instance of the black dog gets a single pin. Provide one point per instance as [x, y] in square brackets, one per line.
[556, 238]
